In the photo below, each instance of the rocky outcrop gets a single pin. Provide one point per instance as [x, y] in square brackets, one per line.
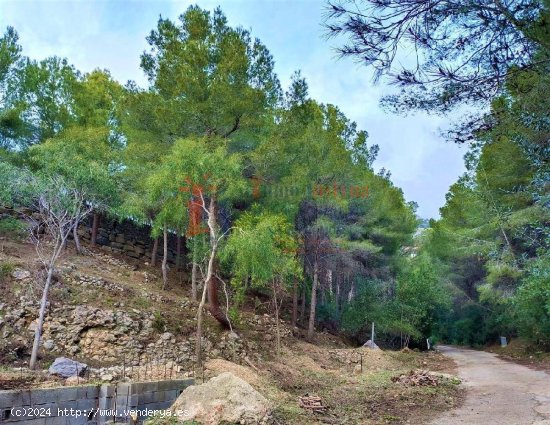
[108, 337]
[223, 399]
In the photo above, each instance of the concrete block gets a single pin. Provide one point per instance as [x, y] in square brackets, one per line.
[73, 420]
[7, 399]
[106, 391]
[66, 394]
[105, 403]
[171, 395]
[123, 402]
[146, 398]
[43, 396]
[36, 421]
[15, 398]
[144, 387]
[56, 420]
[158, 396]
[166, 385]
[124, 389]
[88, 391]
[67, 404]
[85, 404]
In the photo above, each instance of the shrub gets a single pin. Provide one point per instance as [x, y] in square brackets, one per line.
[532, 303]
[6, 269]
[159, 324]
[12, 226]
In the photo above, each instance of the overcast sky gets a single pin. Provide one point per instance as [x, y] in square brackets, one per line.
[111, 35]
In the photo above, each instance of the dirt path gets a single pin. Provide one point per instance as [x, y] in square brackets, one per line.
[498, 392]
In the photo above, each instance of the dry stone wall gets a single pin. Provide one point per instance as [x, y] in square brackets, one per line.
[119, 237]
[129, 238]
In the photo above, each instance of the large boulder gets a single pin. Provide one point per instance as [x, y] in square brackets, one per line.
[66, 368]
[223, 399]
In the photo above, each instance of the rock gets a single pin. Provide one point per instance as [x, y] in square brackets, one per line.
[75, 380]
[223, 399]
[107, 377]
[65, 367]
[48, 344]
[19, 274]
[33, 325]
[371, 345]
[166, 336]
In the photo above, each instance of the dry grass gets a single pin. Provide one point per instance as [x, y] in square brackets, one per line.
[524, 353]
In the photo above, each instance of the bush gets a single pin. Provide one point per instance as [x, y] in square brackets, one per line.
[159, 324]
[12, 226]
[6, 269]
[532, 303]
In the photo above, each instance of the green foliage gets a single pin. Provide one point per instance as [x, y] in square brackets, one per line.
[420, 296]
[12, 226]
[533, 302]
[159, 324]
[261, 250]
[365, 308]
[6, 269]
[212, 124]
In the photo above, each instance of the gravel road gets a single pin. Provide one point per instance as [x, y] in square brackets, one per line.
[497, 392]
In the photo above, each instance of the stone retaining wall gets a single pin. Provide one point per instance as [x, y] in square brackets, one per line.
[126, 237]
[90, 404]
[121, 237]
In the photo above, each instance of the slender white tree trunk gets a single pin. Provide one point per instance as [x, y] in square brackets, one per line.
[209, 276]
[311, 326]
[41, 314]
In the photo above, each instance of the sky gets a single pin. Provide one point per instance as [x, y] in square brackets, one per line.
[110, 34]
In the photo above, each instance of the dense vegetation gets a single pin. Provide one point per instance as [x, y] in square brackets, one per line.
[276, 193]
[492, 240]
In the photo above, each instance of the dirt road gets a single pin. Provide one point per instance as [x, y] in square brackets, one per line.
[497, 392]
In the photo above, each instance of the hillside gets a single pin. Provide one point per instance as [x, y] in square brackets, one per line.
[109, 312]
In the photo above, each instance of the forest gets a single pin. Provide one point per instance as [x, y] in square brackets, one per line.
[275, 195]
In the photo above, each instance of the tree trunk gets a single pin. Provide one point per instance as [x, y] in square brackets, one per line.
[338, 283]
[41, 314]
[154, 252]
[210, 272]
[194, 270]
[311, 326]
[212, 280]
[277, 326]
[303, 305]
[165, 259]
[178, 252]
[198, 344]
[213, 300]
[294, 302]
[77, 239]
[194, 281]
[95, 227]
